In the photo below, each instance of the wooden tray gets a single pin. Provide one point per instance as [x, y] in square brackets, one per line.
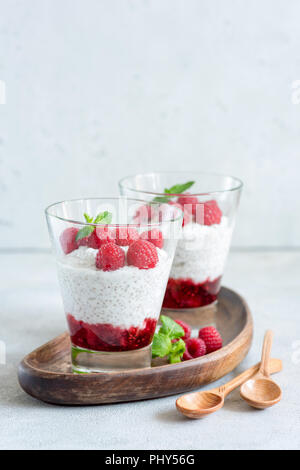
[46, 372]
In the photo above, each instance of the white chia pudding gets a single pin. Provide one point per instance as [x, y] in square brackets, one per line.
[124, 297]
[201, 252]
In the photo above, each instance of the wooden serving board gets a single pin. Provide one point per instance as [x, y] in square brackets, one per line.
[46, 372]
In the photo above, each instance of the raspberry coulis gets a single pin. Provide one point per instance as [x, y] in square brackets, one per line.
[106, 337]
[184, 293]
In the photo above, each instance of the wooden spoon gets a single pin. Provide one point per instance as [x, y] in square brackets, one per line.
[198, 404]
[261, 391]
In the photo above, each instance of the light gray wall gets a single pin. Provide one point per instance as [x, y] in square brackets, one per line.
[97, 89]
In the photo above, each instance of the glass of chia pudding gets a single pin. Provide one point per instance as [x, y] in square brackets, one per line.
[113, 259]
[209, 203]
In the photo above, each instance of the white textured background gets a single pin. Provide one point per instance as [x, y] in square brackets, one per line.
[97, 89]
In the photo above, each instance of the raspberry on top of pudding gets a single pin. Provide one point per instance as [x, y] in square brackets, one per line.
[112, 294]
[205, 213]
[200, 255]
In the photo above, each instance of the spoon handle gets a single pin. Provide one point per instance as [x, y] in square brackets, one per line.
[274, 364]
[266, 351]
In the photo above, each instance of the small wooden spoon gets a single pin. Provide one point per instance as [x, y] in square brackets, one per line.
[261, 391]
[198, 404]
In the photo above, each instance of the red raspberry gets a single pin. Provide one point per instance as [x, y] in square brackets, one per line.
[154, 236]
[142, 254]
[68, 240]
[104, 235]
[195, 347]
[144, 213]
[212, 338]
[212, 213]
[92, 241]
[124, 236]
[186, 355]
[187, 329]
[189, 203]
[110, 257]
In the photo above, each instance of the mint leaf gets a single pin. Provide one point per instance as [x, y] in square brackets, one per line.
[179, 188]
[162, 342]
[162, 198]
[177, 351]
[174, 359]
[88, 218]
[103, 218]
[178, 347]
[176, 189]
[170, 327]
[84, 232]
[161, 345]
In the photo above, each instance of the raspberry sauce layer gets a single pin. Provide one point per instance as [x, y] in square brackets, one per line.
[107, 337]
[184, 293]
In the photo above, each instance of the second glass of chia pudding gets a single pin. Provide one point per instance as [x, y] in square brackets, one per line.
[209, 203]
[113, 268]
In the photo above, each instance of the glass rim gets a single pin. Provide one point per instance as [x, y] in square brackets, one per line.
[116, 198]
[239, 182]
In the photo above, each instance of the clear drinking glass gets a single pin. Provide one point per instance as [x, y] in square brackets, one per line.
[210, 203]
[113, 258]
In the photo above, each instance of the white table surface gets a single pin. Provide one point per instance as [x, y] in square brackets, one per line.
[31, 313]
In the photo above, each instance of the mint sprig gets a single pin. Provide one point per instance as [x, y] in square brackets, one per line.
[102, 218]
[177, 351]
[176, 189]
[88, 218]
[84, 232]
[171, 328]
[161, 345]
[162, 342]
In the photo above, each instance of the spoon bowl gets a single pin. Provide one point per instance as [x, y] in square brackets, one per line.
[261, 393]
[198, 404]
